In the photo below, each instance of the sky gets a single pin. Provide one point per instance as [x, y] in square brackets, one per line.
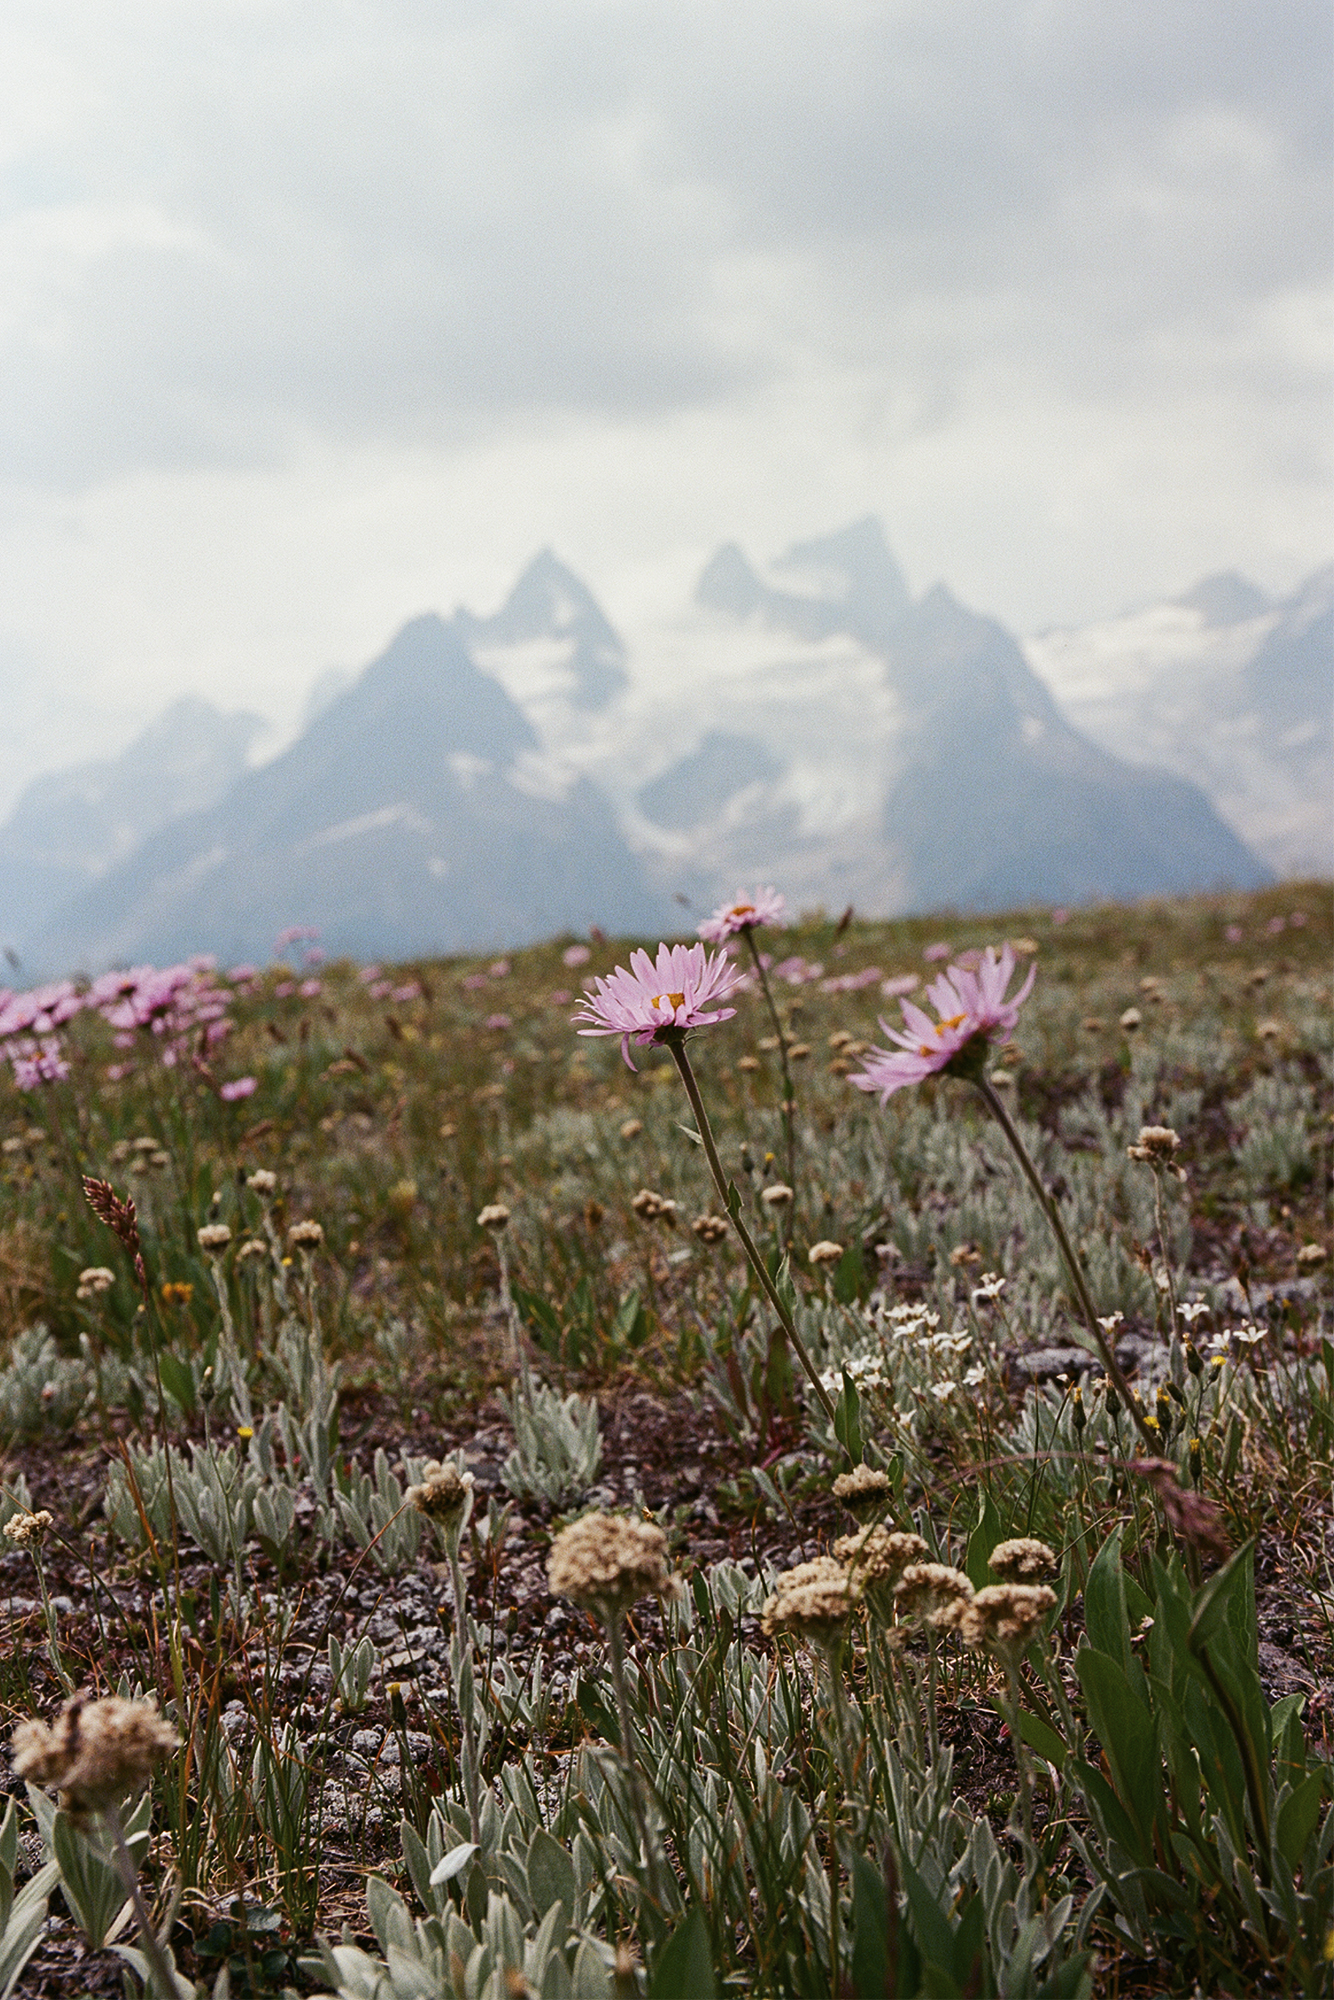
[315, 317]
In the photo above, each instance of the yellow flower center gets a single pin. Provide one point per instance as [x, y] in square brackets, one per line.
[953, 1022]
[672, 1000]
[742, 910]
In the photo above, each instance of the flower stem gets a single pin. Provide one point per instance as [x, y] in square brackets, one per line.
[129, 1875]
[728, 1196]
[789, 1093]
[463, 1689]
[1176, 1359]
[991, 1098]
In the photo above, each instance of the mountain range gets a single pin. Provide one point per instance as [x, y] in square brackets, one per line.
[487, 781]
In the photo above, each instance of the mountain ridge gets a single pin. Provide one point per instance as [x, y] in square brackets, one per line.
[488, 780]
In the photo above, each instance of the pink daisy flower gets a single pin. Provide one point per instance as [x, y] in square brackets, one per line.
[747, 913]
[655, 997]
[973, 1011]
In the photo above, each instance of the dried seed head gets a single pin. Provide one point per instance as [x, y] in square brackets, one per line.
[444, 1495]
[1192, 1517]
[214, 1236]
[651, 1207]
[865, 1491]
[1022, 1560]
[495, 1217]
[95, 1751]
[777, 1196]
[709, 1228]
[825, 1253]
[1004, 1616]
[305, 1235]
[96, 1279]
[813, 1603]
[1131, 1018]
[24, 1529]
[930, 1593]
[118, 1215]
[1156, 1144]
[262, 1181]
[607, 1562]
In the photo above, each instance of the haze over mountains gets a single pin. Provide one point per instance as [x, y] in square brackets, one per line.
[491, 780]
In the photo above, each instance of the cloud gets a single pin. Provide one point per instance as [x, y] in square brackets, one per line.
[226, 227]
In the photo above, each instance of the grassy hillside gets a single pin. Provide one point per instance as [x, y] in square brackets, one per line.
[831, 1797]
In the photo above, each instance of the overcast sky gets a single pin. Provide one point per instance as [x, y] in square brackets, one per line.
[313, 316]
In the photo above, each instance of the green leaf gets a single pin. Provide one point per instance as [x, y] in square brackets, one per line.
[23, 1931]
[683, 1969]
[92, 1888]
[1297, 1817]
[540, 1316]
[452, 1864]
[1106, 1617]
[870, 1931]
[849, 1273]
[1124, 1725]
[848, 1421]
[550, 1875]
[1214, 1602]
[929, 1920]
[1040, 1736]
[989, 1530]
[177, 1380]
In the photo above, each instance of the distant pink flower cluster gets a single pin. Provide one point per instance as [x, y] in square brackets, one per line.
[851, 982]
[678, 989]
[182, 1007]
[575, 954]
[797, 971]
[969, 1004]
[747, 913]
